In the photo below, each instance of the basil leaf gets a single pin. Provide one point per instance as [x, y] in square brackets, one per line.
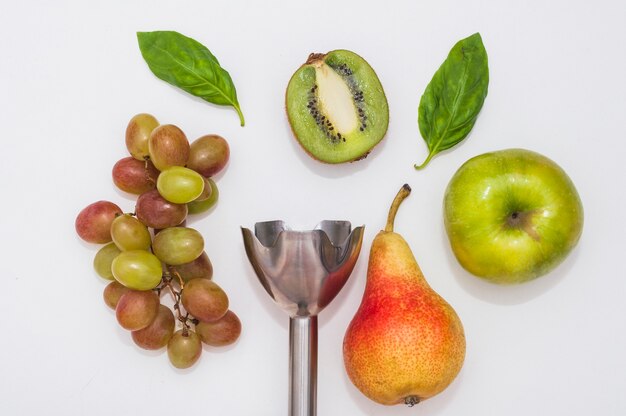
[453, 98]
[188, 65]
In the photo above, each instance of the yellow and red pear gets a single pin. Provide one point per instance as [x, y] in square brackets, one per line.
[405, 343]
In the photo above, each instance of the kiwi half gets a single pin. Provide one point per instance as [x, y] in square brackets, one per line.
[337, 107]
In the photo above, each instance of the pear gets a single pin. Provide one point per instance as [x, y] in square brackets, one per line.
[405, 344]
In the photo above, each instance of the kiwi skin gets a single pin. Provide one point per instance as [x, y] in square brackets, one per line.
[314, 57]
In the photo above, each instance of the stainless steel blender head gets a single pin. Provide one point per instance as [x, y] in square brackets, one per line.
[303, 271]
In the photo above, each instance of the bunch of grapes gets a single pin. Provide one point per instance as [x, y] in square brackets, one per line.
[150, 252]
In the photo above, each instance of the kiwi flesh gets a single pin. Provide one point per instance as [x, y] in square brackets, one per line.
[336, 106]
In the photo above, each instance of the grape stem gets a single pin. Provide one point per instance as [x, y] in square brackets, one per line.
[181, 282]
[176, 295]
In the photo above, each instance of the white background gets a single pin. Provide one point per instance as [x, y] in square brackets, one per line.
[71, 76]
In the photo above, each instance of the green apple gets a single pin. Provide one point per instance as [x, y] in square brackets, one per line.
[511, 215]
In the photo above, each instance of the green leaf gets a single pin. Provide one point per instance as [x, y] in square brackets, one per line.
[453, 98]
[188, 65]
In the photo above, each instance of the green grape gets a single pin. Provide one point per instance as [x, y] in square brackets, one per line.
[158, 333]
[200, 268]
[198, 207]
[180, 185]
[137, 134]
[136, 309]
[168, 146]
[129, 233]
[113, 292]
[137, 269]
[103, 259]
[184, 348]
[204, 299]
[224, 331]
[178, 245]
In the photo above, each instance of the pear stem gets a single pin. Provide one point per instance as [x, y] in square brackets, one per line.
[411, 400]
[402, 193]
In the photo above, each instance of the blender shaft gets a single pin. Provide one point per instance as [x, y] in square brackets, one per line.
[303, 366]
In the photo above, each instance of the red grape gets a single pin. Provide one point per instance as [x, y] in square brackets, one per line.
[204, 299]
[200, 268]
[155, 211]
[136, 309]
[113, 292]
[208, 155]
[93, 223]
[158, 333]
[134, 176]
[168, 146]
[224, 331]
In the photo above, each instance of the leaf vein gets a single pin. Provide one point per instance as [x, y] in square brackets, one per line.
[206, 81]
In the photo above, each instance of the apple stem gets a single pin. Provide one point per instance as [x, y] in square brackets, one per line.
[402, 193]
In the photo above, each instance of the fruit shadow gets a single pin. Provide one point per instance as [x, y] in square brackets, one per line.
[507, 294]
[219, 350]
[126, 196]
[215, 107]
[194, 218]
[327, 170]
